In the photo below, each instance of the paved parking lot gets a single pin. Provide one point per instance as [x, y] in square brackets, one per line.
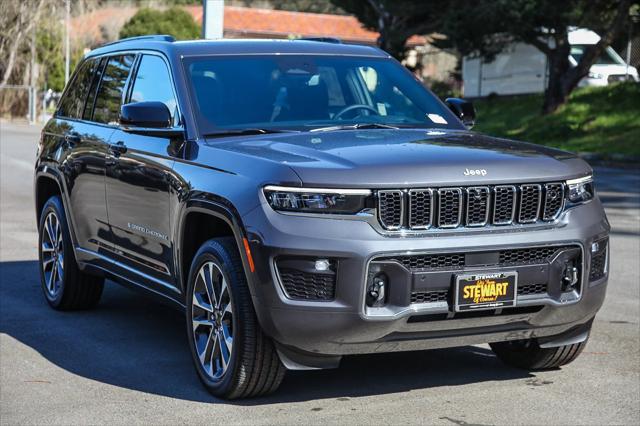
[128, 362]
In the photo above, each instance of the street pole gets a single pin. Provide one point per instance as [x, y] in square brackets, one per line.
[66, 41]
[212, 19]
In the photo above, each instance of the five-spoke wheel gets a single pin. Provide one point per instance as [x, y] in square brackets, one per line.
[231, 354]
[52, 251]
[212, 318]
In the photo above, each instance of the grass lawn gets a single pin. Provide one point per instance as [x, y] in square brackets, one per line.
[604, 120]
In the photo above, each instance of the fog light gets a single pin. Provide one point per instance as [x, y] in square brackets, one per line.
[322, 265]
[595, 247]
[377, 291]
[569, 276]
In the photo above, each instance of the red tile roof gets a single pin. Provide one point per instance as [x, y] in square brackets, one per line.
[249, 22]
[242, 22]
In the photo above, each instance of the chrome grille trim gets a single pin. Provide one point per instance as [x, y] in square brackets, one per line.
[421, 209]
[383, 206]
[413, 205]
[496, 197]
[472, 199]
[550, 213]
[449, 209]
[525, 199]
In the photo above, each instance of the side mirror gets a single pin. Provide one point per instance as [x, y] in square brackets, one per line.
[148, 118]
[153, 115]
[464, 110]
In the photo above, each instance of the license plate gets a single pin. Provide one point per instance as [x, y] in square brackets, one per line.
[476, 292]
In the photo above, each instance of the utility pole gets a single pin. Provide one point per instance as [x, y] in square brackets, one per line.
[212, 19]
[66, 41]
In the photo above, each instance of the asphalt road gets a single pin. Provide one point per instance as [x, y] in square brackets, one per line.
[128, 362]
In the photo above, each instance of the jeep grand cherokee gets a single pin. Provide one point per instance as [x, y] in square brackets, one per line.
[304, 200]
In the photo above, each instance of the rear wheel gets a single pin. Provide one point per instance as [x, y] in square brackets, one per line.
[232, 356]
[64, 285]
[528, 355]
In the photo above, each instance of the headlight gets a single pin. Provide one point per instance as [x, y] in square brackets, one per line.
[315, 200]
[595, 75]
[580, 190]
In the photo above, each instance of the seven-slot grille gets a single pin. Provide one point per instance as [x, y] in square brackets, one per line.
[474, 206]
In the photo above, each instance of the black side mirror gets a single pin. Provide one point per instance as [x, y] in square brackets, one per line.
[148, 118]
[464, 110]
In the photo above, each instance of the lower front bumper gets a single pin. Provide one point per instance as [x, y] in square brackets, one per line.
[317, 333]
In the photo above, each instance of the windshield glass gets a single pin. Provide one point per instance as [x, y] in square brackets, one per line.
[606, 57]
[305, 92]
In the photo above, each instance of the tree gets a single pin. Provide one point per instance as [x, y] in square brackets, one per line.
[487, 26]
[174, 21]
[396, 20]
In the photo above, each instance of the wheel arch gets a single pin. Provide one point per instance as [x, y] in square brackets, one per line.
[47, 183]
[211, 219]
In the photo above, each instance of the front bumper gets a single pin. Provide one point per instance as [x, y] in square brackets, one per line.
[317, 333]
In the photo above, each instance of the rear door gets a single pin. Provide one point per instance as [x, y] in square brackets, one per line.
[138, 182]
[83, 159]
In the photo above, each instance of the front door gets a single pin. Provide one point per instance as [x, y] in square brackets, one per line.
[138, 183]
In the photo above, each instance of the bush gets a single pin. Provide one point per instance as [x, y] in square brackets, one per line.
[174, 21]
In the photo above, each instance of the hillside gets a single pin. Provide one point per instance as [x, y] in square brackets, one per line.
[604, 120]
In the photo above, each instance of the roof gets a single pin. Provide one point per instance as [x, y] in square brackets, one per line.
[240, 46]
[240, 22]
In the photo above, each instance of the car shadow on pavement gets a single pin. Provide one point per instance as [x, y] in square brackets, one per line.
[134, 342]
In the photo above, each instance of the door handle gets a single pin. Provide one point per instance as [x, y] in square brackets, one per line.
[72, 139]
[118, 148]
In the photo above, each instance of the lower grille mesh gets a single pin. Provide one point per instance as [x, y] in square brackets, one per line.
[308, 286]
[421, 262]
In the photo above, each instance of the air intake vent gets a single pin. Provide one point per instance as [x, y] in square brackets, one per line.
[420, 208]
[530, 196]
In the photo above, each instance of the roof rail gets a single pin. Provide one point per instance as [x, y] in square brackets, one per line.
[156, 37]
[322, 39]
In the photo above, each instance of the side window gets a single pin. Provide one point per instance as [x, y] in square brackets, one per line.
[109, 96]
[72, 103]
[91, 98]
[153, 83]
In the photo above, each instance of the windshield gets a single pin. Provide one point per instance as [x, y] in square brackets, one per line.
[607, 57]
[296, 92]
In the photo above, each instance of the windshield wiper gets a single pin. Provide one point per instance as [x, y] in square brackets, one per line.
[243, 132]
[354, 127]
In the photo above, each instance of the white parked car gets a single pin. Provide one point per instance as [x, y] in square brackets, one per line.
[521, 68]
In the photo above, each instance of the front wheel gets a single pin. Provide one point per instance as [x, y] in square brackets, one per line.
[232, 356]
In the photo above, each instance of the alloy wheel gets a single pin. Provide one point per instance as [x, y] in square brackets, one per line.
[52, 249]
[212, 320]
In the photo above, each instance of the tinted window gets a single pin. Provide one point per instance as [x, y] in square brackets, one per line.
[306, 91]
[153, 83]
[109, 97]
[91, 98]
[72, 103]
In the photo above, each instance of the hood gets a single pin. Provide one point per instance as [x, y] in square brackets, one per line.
[379, 158]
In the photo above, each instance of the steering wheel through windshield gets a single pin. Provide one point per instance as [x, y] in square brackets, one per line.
[355, 107]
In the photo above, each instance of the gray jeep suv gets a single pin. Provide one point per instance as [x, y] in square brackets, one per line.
[304, 200]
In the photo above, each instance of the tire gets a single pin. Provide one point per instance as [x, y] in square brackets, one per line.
[64, 285]
[528, 355]
[223, 311]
